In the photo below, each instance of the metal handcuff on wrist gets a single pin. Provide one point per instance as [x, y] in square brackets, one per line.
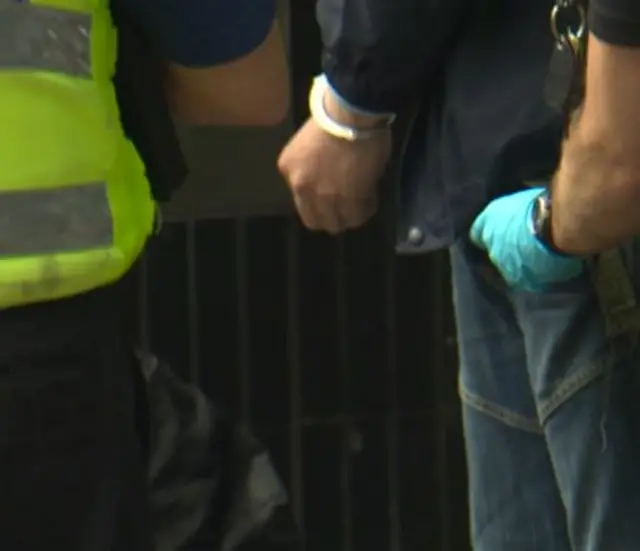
[337, 129]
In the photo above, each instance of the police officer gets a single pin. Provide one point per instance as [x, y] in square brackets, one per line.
[75, 213]
[549, 379]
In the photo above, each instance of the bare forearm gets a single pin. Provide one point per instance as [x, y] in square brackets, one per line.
[596, 197]
[251, 90]
[596, 194]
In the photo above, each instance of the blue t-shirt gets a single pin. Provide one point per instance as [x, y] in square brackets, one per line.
[202, 33]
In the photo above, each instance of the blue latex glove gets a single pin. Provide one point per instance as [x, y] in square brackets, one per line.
[504, 229]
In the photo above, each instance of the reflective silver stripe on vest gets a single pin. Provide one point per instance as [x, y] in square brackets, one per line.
[68, 219]
[43, 38]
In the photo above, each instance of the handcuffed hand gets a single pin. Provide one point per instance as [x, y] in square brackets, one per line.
[333, 181]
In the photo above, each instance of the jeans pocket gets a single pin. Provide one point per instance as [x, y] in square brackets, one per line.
[579, 285]
[493, 374]
[477, 260]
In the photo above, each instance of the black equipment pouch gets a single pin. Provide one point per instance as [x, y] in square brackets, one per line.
[145, 113]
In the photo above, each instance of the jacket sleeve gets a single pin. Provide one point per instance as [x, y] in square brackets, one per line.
[616, 21]
[378, 53]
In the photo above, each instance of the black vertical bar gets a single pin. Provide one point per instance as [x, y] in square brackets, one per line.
[244, 317]
[437, 360]
[395, 543]
[143, 304]
[342, 320]
[293, 345]
[192, 302]
[304, 48]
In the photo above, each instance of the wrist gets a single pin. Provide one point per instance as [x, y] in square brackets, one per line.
[332, 116]
[573, 224]
[541, 219]
[339, 111]
[559, 195]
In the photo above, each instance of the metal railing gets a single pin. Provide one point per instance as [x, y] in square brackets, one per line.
[338, 353]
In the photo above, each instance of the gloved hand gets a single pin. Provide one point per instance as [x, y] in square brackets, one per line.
[505, 230]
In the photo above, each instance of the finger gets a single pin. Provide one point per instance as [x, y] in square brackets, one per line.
[318, 216]
[354, 213]
[306, 212]
[328, 210]
[319, 213]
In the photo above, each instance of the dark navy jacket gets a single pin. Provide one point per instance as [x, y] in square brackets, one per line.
[477, 70]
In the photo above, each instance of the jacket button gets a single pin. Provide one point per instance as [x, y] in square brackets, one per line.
[416, 236]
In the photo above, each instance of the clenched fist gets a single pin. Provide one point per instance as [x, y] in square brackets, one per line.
[334, 181]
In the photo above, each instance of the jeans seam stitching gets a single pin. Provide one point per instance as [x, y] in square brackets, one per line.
[570, 387]
[504, 415]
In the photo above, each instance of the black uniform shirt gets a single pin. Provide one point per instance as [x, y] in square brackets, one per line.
[616, 21]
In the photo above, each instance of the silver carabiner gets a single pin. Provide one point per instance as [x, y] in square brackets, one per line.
[574, 37]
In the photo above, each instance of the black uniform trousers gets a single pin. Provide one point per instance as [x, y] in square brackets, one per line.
[72, 476]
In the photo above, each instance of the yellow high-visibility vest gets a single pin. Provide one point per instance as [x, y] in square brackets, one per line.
[75, 205]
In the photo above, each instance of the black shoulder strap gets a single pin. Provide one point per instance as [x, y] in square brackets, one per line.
[146, 118]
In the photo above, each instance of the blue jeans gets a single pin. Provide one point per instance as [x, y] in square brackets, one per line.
[550, 385]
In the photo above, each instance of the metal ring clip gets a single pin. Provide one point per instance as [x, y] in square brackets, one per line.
[567, 34]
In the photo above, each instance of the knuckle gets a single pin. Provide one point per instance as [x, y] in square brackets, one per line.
[310, 224]
[301, 184]
[287, 162]
[282, 166]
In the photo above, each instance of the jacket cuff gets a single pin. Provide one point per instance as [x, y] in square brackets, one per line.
[355, 109]
[362, 91]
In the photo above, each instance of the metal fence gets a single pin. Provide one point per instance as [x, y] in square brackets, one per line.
[340, 355]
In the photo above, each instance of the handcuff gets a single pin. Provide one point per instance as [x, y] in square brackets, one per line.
[337, 129]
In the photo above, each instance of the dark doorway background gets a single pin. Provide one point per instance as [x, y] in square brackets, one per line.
[338, 353]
